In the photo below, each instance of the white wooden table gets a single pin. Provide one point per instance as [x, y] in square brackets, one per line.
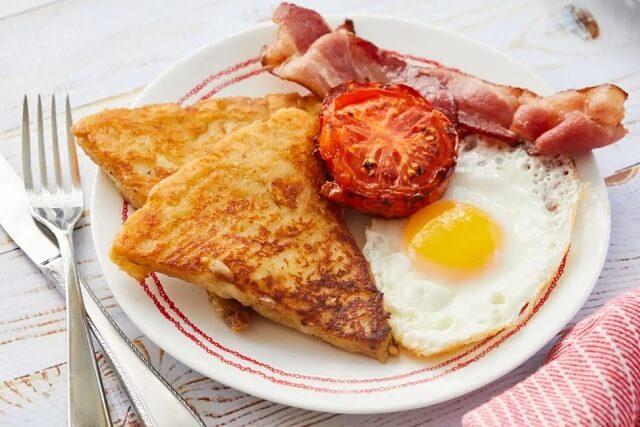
[104, 52]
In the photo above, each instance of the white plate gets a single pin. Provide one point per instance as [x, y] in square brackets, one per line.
[279, 364]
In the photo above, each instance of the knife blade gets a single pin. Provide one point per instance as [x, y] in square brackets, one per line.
[154, 400]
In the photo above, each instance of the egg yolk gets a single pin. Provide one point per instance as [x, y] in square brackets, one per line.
[459, 238]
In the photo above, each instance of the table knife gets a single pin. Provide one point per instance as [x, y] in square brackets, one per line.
[154, 400]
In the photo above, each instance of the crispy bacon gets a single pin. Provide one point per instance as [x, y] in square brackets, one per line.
[574, 120]
[298, 28]
[341, 56]
[307, 52]
[569, 121]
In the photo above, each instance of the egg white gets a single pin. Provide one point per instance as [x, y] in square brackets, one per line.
[532, 198]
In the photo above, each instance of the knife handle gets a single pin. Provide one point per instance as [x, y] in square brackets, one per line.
[154, 400]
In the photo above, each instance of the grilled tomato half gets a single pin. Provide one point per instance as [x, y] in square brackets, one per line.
[388, 151]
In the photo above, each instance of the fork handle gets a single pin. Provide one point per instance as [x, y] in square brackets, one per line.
[154, 400]
[87, 403]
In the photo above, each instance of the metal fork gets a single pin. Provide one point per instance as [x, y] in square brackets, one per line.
[59, 209]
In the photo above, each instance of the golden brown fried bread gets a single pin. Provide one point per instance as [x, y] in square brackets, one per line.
[138, 147]
[247, 222]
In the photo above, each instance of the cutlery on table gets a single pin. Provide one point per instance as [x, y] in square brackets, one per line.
[154, 400]
[58, 209]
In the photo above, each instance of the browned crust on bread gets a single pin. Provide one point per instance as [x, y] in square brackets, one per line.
[139, 147]
[282, 249]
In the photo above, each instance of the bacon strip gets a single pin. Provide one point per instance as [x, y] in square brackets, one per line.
[298, 28]
[307, 52]
[569, 121]
[574, 120]
[341, 56]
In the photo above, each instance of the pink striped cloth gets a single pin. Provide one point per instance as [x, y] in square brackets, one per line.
[591, 377]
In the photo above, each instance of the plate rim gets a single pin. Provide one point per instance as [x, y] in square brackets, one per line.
[588, 159]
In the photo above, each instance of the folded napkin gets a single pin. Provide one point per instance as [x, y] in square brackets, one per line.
[591, 377]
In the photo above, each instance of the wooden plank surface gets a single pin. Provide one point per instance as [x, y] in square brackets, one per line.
[103, 53]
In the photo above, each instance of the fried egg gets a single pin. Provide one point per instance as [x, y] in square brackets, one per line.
[466, 266]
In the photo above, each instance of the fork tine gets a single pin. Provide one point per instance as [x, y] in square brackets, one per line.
[71, 142]
[54, 140]
[41, 155]
[26, 146]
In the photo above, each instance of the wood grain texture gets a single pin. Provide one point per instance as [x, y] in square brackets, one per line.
[103, 53]
[39, 398]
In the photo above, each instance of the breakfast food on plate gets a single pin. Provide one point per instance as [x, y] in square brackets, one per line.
[138, 147]
[469, 265]
[388, 151]
[565, 122]
[464, 267]
[247, 222]
[470, 184]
